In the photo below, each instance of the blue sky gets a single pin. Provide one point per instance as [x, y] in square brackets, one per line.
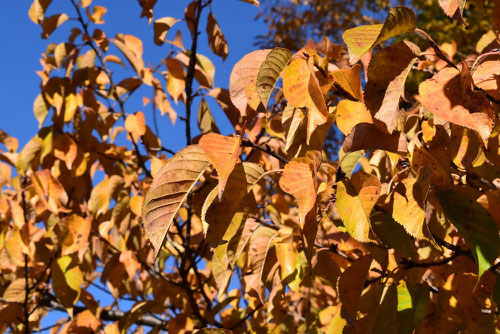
[22, 46]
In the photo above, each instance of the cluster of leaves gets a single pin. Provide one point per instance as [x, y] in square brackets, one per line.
[258, 231]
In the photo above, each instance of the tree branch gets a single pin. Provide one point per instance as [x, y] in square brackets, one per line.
[245, 142]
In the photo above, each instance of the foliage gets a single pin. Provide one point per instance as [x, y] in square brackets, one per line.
[260, 230]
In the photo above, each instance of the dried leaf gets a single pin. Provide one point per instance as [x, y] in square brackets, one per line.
[50, 24]
[361, 138]
[97, 14]
[349, 80]
[387, 74]
[168, 191]
[216, 39]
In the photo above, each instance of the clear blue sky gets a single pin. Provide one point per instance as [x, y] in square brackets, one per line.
[22, 46]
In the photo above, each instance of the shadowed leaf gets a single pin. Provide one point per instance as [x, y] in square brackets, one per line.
[270, 72]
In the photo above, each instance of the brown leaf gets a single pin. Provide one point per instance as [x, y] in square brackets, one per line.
[350, 286]
[176, 81]
[387, 74]
[161, 28]
[216, 39]
[362, 138]
[168, 191]
[49, 24]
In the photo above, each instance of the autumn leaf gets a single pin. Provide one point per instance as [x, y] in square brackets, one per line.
[169, 189]
[355, 200]
[206, 122]
[161, 28]
[176, 82]
[301, 89]
[453, 9]
[67, 279]
[100, 197]
[97, 14]
[136, 125]
[387, 74]
[350, 286]
[218, 212]
[51, 23]
[243, 75]
[448, 95]
[349, 80]
[299, 180]
[216, 39]
[132, 49]
[361, 138]
[78, 234]
[351, 113]
[270, 72]
[223, 153]
[474, 223]
[361, 39]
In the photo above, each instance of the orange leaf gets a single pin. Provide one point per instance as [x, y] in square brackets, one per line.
[78, 234]
[65, 149]
[302, 90]
[216, 39]
[349, 80]
[97, 15]
[449, 96]
[223, 153]
[136, 125]
[299, 180]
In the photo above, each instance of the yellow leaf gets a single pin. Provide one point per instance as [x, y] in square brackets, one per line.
[349, 114]
[131, 47]
[349, 79]
[355, 201]
[100, 197]
[407, 211]
[66, 280]
[176, 78]
[161, 28]
[301, 88]
[78, 234]
[136, 203]
[360, 40]
[136, 125]
[130, 262]
[97, 15]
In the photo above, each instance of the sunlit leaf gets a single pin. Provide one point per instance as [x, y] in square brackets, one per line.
[355, 200]
[50, 24]
[243, 75]
[223, 153]
[100, 197]
[169, 190]
[78, 234]
[66, 280]
[97, 14]
[161, 28]
[361, 39]
[270, 72]
[349, 80]
[136, 125]
[349, 114]
[216, 39]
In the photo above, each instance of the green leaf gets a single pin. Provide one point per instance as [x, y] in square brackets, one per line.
[362, 39]
[270, 71]
[475, 224]
[169, 190]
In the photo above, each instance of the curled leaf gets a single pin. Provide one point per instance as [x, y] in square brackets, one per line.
[270, 72]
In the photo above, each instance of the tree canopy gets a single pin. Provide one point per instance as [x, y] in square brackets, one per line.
[390, 226]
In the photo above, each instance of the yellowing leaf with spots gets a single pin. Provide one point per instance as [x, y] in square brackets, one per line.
[351, 113]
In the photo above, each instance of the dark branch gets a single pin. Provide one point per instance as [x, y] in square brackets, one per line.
[245, 142]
